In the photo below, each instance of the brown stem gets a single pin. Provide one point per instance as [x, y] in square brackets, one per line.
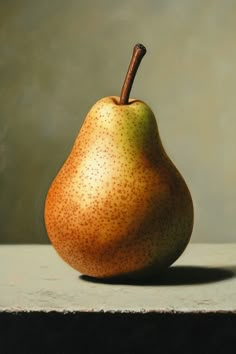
[138, 53]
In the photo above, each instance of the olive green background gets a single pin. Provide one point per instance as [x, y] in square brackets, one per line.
[58, 57]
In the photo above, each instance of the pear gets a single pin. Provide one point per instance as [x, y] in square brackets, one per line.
[119, 206]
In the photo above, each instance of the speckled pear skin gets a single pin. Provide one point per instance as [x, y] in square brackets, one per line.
[118, 206]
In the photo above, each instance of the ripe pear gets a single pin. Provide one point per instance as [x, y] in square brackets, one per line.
[119, 206]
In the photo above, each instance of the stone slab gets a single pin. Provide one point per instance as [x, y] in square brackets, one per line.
[34, 278]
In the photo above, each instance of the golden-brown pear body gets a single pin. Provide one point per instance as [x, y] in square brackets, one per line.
[118, 206]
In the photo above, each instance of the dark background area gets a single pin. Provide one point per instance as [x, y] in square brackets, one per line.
[117, 333]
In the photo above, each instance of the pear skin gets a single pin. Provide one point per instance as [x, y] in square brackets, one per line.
[119, 206]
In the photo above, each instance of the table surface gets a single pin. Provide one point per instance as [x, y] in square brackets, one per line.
[35, 278]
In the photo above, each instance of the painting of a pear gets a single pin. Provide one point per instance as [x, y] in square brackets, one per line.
[119, 206]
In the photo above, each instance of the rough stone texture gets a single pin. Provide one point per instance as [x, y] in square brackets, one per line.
[34, 278]
[47, 307]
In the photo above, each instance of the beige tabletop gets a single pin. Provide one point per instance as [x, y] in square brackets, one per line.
[34, 278]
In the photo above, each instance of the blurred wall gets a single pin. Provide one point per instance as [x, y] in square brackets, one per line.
[58, 57]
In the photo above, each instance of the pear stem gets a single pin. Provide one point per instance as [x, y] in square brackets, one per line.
[138, 53]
